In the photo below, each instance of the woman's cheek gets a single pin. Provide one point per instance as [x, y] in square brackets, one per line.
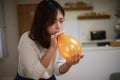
[62, 28]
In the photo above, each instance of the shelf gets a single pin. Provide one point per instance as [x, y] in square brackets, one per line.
[96, 41]
[78, 8]
[94, 17]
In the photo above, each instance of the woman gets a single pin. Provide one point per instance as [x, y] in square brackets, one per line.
[38, 56]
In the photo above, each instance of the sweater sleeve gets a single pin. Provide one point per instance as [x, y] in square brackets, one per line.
[60, 61]
[29, 60]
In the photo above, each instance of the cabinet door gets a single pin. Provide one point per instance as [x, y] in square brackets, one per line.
[25, 16]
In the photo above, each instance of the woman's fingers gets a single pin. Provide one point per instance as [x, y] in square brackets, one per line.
[75, 58]
[81, 56]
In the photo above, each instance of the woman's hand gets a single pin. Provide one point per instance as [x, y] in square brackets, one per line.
[69, 62]
[75, 58]
[53, 42]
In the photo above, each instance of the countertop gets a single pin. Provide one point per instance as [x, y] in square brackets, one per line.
[100, 48]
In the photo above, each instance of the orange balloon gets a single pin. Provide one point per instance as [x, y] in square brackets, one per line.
[68, 45]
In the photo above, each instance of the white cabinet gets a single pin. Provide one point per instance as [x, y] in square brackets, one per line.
[97, 64]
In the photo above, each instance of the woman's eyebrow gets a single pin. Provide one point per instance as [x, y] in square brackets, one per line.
[59, 19]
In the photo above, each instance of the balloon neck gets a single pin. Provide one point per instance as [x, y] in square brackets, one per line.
[59, 35]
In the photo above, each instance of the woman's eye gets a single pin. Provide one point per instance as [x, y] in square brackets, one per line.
[61, 21]
[57, 21]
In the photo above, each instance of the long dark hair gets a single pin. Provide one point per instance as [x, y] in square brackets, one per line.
[45, 14]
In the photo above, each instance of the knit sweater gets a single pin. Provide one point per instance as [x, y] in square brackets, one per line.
[29, 65]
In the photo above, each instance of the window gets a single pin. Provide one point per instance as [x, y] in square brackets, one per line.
[3, 48]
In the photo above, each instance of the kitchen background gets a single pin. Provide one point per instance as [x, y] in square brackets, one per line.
[99, 62]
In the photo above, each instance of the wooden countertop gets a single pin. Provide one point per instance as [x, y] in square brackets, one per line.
[115, 43]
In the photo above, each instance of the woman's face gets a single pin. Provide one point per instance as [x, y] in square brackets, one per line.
[57, 25]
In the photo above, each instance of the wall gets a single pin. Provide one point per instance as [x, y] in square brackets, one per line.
[8, 65]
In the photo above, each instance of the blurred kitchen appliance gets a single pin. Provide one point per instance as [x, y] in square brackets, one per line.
[98, 35]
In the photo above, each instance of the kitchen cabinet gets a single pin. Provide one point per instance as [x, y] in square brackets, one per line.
[97, 64]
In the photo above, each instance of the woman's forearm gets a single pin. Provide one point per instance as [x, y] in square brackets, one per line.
[46, 59]
[64, 68]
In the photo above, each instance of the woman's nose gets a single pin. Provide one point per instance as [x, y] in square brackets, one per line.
[58, 25]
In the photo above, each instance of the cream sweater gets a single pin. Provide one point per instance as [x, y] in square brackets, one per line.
[29, 55]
